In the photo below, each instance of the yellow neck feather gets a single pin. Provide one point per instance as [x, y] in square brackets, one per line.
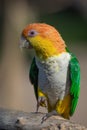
[44, 47]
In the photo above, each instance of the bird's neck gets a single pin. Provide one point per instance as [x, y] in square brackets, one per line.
[47, 47]
[45, 53]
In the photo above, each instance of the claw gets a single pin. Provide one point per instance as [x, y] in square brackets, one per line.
[44, 118]
[42, 101]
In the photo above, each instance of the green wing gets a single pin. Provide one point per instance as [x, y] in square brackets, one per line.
[34, 76]
[75, 82]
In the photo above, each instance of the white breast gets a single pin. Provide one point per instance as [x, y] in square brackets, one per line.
[52, 76]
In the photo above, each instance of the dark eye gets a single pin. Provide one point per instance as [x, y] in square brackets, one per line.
[32, 33]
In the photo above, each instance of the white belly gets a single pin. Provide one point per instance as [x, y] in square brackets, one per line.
[52, 76]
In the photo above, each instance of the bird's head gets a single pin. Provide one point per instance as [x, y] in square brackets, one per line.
[44, 39]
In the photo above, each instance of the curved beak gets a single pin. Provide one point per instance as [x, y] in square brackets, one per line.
[24, 43]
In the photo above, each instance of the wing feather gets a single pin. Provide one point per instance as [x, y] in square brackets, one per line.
[75, 82]
[33, 75]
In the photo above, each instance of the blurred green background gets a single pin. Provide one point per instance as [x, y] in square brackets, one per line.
[69, 17]
[70, 23]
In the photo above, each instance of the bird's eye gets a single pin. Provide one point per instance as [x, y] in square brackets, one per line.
[32, 33]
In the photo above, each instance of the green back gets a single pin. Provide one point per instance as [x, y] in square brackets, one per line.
[75, 82]
[34, 76]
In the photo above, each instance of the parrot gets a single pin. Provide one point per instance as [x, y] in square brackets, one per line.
[54, 71]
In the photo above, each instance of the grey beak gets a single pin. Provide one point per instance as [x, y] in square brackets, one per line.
[23, 43]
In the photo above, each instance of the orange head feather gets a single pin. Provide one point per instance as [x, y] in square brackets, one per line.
[45, 31]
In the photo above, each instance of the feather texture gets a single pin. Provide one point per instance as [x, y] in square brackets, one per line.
[75, 82]
[33, 75]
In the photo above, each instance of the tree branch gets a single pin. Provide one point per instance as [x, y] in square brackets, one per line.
[18, 120]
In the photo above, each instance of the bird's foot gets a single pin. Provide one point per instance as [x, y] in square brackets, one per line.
[44, 118]
[42, 101]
